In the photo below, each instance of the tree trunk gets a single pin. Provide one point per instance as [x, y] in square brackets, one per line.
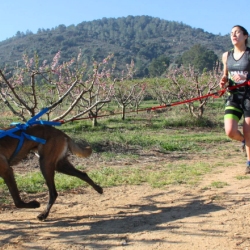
[123, 112]
[94, 122]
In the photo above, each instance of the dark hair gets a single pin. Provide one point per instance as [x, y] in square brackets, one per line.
[244, 32]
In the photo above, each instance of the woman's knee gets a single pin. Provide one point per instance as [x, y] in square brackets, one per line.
[230, 133]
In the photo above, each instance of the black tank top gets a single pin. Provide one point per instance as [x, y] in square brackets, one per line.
[241, 67]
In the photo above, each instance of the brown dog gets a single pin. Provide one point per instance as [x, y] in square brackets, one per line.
[52, 157]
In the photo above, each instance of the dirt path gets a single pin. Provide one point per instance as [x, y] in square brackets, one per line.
[140, 217]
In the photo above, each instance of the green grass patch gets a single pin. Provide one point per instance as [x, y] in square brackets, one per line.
[219, 184]
[243, 177]
[164, 175]
[115, 139]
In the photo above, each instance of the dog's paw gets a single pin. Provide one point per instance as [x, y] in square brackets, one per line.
[99, 189]
[34, 204]
[42, 216]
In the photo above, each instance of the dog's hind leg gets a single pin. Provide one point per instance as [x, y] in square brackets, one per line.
[47, 169]
[65, 167]
[6, 172]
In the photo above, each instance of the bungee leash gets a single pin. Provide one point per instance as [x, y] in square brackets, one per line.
[34, 120]
[216, 94]
[22, 127]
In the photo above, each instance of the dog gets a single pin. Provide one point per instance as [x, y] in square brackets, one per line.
[52, 157]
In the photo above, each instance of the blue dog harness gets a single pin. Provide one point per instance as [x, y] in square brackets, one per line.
[22, 127]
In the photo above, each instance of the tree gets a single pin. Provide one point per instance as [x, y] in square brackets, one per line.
[186, 84]
[158, 66]
[138, 95]
[182, 84]
[64, 88]
[125, 93]
[200, 58]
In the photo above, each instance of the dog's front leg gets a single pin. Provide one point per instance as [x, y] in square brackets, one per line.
[6, 173]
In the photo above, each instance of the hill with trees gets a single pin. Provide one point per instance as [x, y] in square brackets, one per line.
[148, 41]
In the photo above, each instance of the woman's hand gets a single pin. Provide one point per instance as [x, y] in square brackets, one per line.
[239, 78]
[223, 81]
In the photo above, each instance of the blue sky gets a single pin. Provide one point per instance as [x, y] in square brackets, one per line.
[214, 16]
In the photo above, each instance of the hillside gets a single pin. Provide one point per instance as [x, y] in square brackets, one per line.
[141, 38]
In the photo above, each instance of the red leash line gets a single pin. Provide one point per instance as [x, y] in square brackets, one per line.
[214, 94]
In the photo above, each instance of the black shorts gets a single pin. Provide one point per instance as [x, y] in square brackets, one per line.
[236, 106]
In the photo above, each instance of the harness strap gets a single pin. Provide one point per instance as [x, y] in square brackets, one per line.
[22, 127]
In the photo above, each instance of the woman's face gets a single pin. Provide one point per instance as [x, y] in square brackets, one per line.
[237, 36]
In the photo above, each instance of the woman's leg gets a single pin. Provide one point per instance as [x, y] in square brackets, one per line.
[231, 129]
[246, 131]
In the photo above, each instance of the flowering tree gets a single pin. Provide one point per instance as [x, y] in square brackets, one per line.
[126, 92]
[183, 84]
[65, 88]
[138, 94]
[100, 94]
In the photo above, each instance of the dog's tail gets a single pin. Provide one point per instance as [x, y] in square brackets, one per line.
[79, 148]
